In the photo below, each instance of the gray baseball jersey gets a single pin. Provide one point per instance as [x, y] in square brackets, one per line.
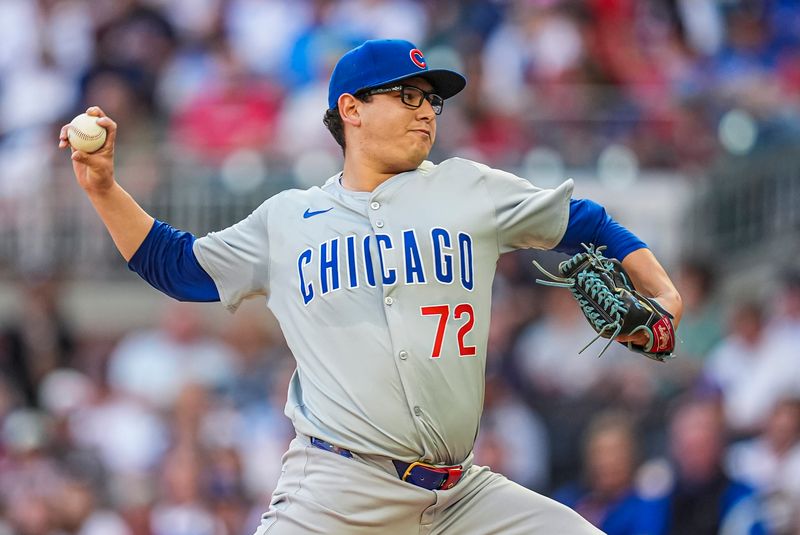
[384, 298]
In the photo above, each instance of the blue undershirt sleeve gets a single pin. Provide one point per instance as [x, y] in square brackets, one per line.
[166, 260]
[589, 223]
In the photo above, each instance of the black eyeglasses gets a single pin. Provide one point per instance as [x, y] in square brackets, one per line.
[412, 97]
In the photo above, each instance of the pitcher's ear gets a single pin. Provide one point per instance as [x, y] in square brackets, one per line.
[350, 109]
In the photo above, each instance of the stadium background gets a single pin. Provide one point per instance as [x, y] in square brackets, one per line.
[123, 413]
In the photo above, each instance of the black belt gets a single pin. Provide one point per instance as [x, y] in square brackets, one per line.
[417, 473]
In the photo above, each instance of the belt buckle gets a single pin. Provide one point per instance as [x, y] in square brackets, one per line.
[453, 473]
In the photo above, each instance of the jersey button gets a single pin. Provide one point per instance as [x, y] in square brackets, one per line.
[375, 205]
[403, 355]
[417, 411]
[379, 223]
[388, 301]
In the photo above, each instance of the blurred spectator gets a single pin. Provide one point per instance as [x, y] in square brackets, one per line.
[513, 439]
[516, 303]
[358, 20]
[24, 90]
[188, 411]
[109, 88]
[39, 341]
[23, 41]
[260, 353]
[547, 350]
[693, 494]
[128, 437]
[262, 31]
[533, 44]
[606, 496]
[770, 463]
[27, 470]
[47, 45]
[749, 50]
[137, 41]
[78, 512]
[228, 498]
[30, 478]
[181, 510]
[776, 370]
[9, 397]
[194, 20]
[703, 24]
[155, 364]
[316, 50]
[299, 120]
[65, 390]
[261, 434]
[700, 327]
[732, 360]
[741, 366]
[567, 386]
[63, 393]
[785, 323]
[31, 515]
[236, 111]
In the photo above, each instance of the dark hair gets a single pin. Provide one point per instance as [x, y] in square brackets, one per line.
[333, 121]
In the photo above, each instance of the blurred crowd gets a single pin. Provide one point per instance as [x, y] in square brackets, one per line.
[174, 430]
[207, 78]
[179, 429]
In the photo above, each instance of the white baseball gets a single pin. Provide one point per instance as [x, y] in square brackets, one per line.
[85, 134]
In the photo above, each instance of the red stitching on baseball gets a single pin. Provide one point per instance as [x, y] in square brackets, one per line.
[83, 135]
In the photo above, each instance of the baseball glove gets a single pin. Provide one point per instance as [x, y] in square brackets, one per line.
[612, 305]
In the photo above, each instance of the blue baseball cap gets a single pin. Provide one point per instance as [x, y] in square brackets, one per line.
[383, 61]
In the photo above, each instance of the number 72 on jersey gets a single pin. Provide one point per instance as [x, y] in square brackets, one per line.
[443, 312]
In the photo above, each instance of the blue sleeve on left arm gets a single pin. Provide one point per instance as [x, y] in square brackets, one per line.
[166, 260]
[589, 223]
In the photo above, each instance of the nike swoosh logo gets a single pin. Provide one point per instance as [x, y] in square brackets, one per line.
[309, 213]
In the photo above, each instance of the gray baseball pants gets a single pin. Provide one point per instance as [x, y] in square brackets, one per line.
[322, 492]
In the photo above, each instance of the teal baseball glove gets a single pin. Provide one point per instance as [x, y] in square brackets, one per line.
[612, 305]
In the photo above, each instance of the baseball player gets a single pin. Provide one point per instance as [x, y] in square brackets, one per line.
[381, 281]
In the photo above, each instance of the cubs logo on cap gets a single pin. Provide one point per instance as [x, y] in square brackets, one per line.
[418, 58]
[382, 61]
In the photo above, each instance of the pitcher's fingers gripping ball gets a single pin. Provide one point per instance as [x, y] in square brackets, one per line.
[611, 303]
[84, 134]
